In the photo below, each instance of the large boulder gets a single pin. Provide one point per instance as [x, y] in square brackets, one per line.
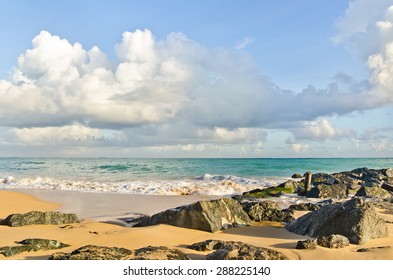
[232, 250]
[40, 218]
[355, 219]
[32, 245]
[266, 211]
[208, 216]
[323, 178]
[374, 192]
[325, 191]
[92, 252]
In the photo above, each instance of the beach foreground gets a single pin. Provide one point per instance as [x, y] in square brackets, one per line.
[92, 232]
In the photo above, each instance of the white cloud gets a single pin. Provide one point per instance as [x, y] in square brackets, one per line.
[298, 147]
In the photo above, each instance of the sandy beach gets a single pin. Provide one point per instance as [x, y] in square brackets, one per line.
[91, 231]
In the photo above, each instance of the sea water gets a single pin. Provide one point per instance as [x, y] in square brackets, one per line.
[167, 176]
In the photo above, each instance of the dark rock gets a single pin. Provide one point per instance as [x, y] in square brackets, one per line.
[291, 184]
[361, 250]
[355, 219]
[40, 218]
[296, 176]
[387, 186]
[203, 215]
[348, 179]
[374, 192]
[333, 241]
[304, 207]
[159, 253]
[266, 211]
[238, 198]
[323, 178]
[231, 250]
[324, 191]
[306, 244]
[32, 245]
[92, 252]
[267, 192]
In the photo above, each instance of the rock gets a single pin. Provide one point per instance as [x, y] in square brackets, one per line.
[387, 186]
[296, 176]
[92, 252]
[354, 219]
[267, 192]
[347, 178]
[231, 250]
[323, 178]
[374, 192]
[291, 184]
[306, 244]
[266, 211]
[40, 218]
[208, 216]
[304, 207]
[333, 241]
[159, 253]
[32, 245]
[388, 172]
[324, 191]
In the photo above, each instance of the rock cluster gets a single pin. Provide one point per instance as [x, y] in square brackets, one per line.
[231, 250]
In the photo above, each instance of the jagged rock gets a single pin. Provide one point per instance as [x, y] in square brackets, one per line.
[203, 215]
[304, 207]
[92, 252]
[387, 186]
[291, 184]
[355, 219]
[374, 192]
[231, 250]
[333, 241]
[306, 244]
[39, 218]
[266, 211]
[323, 178]
[267, 192]
[296, 176]
[324, 191]
[348, 179]
[32, 245]
[159, 253]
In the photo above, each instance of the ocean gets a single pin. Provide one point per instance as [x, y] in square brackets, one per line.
[167, 176]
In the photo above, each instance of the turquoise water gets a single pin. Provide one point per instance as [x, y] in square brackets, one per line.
[166, 175]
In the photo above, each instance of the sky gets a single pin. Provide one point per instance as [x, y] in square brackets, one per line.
[291, 78]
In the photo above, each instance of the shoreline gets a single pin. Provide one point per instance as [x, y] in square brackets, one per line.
[269, 235]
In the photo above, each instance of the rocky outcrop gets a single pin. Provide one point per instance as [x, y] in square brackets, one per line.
[39, 218]
[159, 253]
[354, 219]
[92, 252]
[374, 192]
[306, 244]
[208, 216]
[231, 250]
[266, 211]
[32, 245]
[267, 192]
[333, 241]
[304, 207]
[328, 191]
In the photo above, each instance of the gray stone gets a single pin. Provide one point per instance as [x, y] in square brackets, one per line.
[325, 191]
[333, 241]
[306, 244]
[92, 252]
[354, 219]
[304, 207]
[374, 192]
[208, 216]
[32, 245]
[266, 211]
[296, 176]
[159, 253]
[39, 218]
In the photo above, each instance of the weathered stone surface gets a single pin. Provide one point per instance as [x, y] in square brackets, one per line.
[323, 178]
[296, 176]
[324, 191]
[374, 192]
[387, 186]
[355, 219]
[304, 207]
[203, 215]
[159, 253]
[333, 241]
[32, 245]
[40, 218]
[306, 244]
[291, 184]
[266, 211]
[92, 252]
[231, 250]
[267, 192]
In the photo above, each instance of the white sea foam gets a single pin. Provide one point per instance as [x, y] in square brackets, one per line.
[206, 185]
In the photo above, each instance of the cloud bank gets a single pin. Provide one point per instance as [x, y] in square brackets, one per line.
[175, 91]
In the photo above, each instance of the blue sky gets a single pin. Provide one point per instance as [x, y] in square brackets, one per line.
[196, 78]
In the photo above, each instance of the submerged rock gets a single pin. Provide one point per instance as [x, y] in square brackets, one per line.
[208, 216]
[354, 219]
[32, 245]
[40, 218]
[232, 250]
